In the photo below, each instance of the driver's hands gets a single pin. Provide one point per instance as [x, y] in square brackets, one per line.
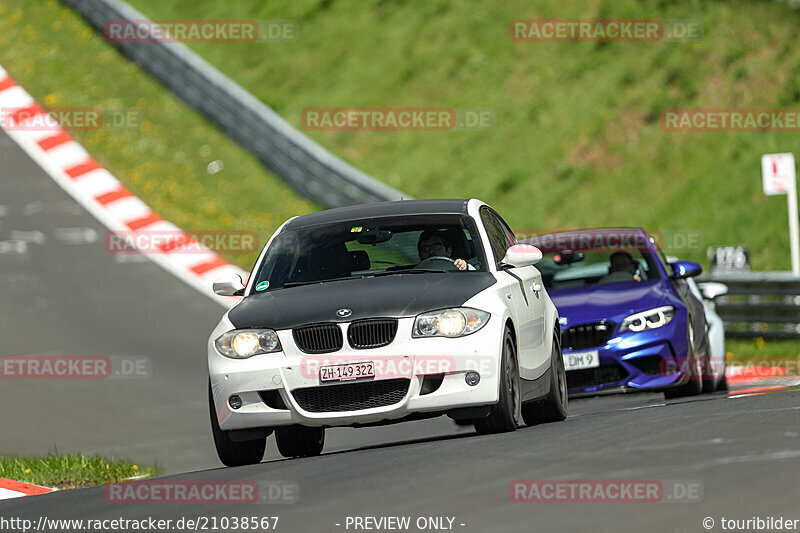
[637, 277]
[461, 264]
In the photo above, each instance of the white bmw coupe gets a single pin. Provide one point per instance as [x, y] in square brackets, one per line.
[383, 313]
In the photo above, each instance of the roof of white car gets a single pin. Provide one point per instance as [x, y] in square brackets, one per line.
[399, 208]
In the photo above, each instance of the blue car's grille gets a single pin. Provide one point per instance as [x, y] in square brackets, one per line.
[594, 377]
[587, 335]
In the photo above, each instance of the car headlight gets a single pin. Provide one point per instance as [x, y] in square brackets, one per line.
[244, 343]
[650, 319]
[455, 322]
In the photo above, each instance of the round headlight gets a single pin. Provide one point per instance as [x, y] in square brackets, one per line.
[661, 319]
[428, 325]
[245, 344]
[639, 325]
[452, 323]
[269, 340]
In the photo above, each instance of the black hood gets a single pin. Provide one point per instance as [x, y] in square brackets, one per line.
[396, 296]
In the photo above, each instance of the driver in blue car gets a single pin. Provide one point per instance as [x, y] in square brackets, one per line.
[622, 268]
[433, 244]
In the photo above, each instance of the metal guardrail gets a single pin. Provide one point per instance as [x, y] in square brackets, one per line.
[308, 168]
[759, 304]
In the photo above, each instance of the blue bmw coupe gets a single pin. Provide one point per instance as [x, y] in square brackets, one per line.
[628, 319]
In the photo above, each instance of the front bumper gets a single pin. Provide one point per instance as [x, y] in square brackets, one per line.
[275, 388]
[653, 360]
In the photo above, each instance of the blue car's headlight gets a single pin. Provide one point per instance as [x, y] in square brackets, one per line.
[244, 343]
[650, 319]
[455, 322]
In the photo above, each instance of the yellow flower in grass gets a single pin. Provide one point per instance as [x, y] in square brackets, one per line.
[759, 342]
[50, 100]
[29, 32]
[15, 17]
[27, 470]
[136, 467]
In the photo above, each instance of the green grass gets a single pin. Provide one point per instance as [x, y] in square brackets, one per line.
[762, 351]
[71, 471]
[64, 63]
[577, 140]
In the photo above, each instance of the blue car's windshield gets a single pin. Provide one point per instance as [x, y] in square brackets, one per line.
[567, 266]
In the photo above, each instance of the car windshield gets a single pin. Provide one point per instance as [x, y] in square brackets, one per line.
[371, 247]
[573, 260]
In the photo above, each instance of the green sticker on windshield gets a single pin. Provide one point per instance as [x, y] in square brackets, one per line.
[262, 285]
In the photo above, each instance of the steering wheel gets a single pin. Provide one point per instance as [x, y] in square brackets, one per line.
[437, 261]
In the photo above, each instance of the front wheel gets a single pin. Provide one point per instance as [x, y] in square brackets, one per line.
[230, 452]
[695, 384]
[505, 414]
[554, 406]
[300, 441]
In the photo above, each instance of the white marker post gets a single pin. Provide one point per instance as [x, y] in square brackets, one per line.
[778, 176]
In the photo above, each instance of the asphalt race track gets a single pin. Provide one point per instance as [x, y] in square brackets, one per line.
[62, 294]
[744, 452]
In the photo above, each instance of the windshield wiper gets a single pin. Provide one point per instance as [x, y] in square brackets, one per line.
[411, 270]
[299, 283]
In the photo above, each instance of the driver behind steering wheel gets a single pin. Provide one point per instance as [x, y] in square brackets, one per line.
[434, 244]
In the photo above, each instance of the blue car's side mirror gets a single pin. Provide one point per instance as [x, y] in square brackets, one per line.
[685, 269]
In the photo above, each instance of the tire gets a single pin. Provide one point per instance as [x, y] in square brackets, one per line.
[709, 383]
[300, 441]
[232, 453]
[505, 414]
[554, 406]
[695, 384]
[722, 385]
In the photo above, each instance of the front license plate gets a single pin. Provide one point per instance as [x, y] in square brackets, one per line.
[580, 360]
[347, 371]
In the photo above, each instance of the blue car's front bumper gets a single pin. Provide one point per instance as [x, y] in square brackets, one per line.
[653, 360]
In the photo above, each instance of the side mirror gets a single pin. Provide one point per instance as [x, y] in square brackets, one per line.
[229, 285]
[685, 269]
[712, 289]
[522, 255]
